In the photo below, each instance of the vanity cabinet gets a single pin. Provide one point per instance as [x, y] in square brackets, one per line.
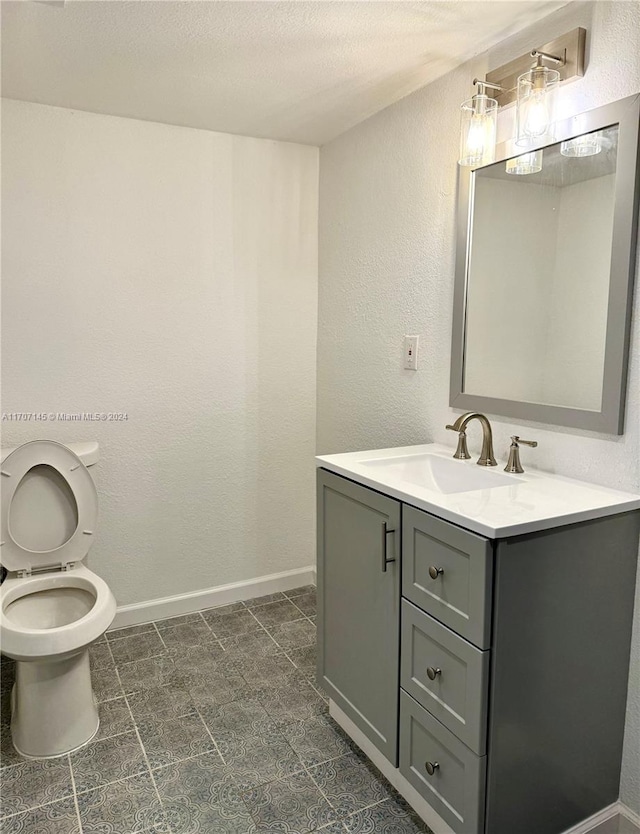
[359, 600]
[494, 675]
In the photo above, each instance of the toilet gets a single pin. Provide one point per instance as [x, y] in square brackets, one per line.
[52, 607]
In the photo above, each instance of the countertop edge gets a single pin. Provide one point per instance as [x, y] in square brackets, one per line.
[507, 531]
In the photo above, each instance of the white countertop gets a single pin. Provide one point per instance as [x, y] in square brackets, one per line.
[530, 502]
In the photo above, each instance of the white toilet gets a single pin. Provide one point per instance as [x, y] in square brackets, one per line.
[51, 606]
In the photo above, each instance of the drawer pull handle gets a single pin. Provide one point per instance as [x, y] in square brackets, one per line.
[433, 672]
[431, 767]
[435, 572]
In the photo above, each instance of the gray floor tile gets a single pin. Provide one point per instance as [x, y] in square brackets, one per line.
[181, 619]
[231, 725]
[254, 762]
[305, 659]
[350, 784]
[129, 631]
[100, 656]
[255, 645]
[221, 609]
[32, 783]
[616, 825]
[294, 635]
[197, 660]
[290, 804]
[57, 818]
[230, 624]
[124, 807]
[306, 603]
[115, 718]
[187, 634]
[137, 647]
[303, 589]
[283, 611]
[106, 684]
[167, 739]
[258, 602]
[316, 739]
[268, 671]
[292, 703]
[148, 674]
[333, 828]
[217, 688]
[385, 818]
[107, 760]
[172, 700]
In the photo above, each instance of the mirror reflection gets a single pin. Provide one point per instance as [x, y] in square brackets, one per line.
[538, 274]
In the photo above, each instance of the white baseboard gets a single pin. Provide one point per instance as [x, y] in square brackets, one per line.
[625, 811]
[422, 807]
[160, 609]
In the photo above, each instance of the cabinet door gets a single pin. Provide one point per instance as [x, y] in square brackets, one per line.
[359, 606]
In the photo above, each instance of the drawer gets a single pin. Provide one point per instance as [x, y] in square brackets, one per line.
[456, 788]
[447, 572]
[457, 694]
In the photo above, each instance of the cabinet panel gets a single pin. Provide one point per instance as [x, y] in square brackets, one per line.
[459, 591]
[455, 691]
[359, 606]
[455, 789]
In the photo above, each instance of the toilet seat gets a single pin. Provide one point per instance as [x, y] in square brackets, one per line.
[15, 466]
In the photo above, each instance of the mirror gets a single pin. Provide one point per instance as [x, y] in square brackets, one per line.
[545, 266]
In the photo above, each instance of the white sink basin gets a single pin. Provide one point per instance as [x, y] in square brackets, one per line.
[444, 475]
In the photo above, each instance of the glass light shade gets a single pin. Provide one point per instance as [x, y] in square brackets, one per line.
[535, 114]
[588, 145]
[526, 163]
[478, 119]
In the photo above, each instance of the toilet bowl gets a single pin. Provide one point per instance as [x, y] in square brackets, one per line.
[52, 607]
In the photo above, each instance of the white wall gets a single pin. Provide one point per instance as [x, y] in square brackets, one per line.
[387, 251]
[171, 274]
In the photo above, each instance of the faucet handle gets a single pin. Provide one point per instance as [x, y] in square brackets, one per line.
[513, 464]
[462, 451]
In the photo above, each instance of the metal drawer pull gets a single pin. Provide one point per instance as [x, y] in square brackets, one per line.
[435, 572]
[431, 767]
[433, 672]
[385, 558]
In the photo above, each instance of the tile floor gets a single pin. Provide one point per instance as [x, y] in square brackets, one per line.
[210, 724]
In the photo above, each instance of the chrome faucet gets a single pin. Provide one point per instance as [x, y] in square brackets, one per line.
[462, 453]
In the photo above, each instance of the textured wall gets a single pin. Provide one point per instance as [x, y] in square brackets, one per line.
[171, 274]
[387, 250]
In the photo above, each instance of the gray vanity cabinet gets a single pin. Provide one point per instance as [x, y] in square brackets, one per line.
[514, 656]
[359, 606]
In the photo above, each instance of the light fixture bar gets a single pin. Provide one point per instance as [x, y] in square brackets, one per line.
[565, 53]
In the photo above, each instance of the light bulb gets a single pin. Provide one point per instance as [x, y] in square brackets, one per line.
[478, 131]
[536, 102]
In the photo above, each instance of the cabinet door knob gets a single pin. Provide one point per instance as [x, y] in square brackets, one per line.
[435, 572]
[433, 672]
[431, 767]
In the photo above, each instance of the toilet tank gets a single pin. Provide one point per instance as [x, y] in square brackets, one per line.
[87, 450]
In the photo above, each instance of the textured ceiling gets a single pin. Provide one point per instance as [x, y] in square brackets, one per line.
[301, 71]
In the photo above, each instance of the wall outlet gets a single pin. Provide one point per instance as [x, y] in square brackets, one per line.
[411, 352]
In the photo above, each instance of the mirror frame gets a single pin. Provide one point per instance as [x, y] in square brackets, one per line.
[610, 418]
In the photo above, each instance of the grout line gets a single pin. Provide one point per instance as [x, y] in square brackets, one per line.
[210, 734]
[75, 793]
[144, 752]
[160, 636]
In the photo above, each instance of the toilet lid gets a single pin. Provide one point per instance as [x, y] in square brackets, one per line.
[15, 555]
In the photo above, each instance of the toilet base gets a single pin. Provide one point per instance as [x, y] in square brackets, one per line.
[53, 710]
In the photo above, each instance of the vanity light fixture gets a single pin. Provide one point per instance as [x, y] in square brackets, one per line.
[526, 163]
[588, 145]
[535, 114]
[533, 87]
[478, 121]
